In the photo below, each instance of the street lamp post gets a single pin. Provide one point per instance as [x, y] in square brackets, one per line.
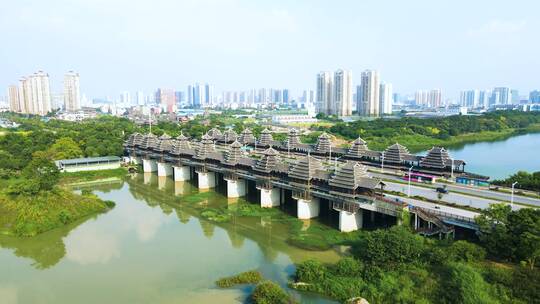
[409, 190]
[382, 162]
[452, 169]
[512, 196]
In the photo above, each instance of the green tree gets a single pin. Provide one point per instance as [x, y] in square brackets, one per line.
[42, 172]
[465, 285]
[65, 148]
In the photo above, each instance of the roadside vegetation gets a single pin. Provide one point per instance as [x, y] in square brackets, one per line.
[525, 181]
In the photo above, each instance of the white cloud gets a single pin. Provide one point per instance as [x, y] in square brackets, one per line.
[498, 27]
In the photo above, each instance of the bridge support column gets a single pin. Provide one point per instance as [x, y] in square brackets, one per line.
[181, 173]
[206, 180]
[149, 165]
[164, 169]
[270, 197]
[350, 221]
[307, 209]
[236, 188]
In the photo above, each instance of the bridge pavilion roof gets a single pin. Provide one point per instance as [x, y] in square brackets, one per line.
[229, 135]
[293, 139]
[149, 141]
[215, 133]
[396, 153]
[268, 162]
[323, 143]
[205, 148]
[306, 168]
[164, 143]
[265, 138]
[438, 158]
[352, 176]
[233, 155]
[358, 148]
[246, 137]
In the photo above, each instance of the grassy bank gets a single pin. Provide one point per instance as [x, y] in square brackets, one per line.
[30, 215]
[247, 277]
[67, 178]
[418, 143]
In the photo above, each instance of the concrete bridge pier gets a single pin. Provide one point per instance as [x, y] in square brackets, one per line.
[350, 221]
[149, 165]
[206, 180]
[307, 209]
[181, 173]
[164, 169]
[270, 197]
[235, 187]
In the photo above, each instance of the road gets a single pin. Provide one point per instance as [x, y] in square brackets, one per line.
[451, 197]
[436, 207]
[486, 196]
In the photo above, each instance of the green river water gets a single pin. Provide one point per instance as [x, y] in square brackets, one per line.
[151, 248]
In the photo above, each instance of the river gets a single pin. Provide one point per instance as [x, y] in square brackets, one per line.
[151, 248]
[499, 159]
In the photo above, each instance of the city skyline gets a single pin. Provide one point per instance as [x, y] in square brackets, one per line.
[231, 54]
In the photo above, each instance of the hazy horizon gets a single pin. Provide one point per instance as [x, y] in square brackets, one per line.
[237, 45]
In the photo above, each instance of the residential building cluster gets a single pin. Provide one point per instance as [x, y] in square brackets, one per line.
[33, 94]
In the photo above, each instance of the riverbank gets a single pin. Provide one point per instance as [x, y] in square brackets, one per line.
[26, 216]
[418, 143]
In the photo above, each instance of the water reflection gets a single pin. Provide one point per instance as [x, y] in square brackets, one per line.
[151, 250]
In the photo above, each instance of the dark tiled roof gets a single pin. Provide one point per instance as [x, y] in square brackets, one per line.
[266, 138]
[206, 147]
[351, 176]
[358, 148]
[234, 153]
[323, 143]
[229, 135]
[396, 154]
[149, 141]
[268, 162]
[293, 139]
[246, 137]
[436, 157]
[306, 168]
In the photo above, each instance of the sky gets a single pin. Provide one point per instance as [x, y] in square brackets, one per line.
[136, 45]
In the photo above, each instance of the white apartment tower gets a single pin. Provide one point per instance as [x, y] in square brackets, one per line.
[14, 100]
[34, 94]
[72, 92]
[342, 105]
[385, 98]
[324, 92]
[368, 104]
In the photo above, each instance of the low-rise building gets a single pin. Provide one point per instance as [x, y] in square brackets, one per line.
[88, 164]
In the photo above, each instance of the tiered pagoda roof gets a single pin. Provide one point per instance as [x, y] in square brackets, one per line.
[181, 144]
[323, 143]
[215, 133]
[134, 139]
[205, 148]
[149, 141]
[306, 168]
[229, 135]
[351, 176]
[396, 153]
[293, 139]
[246, 137]
[234, 153]
[358, 148]
[437, 158]
[164, 144]
[266, 138]
[268, 162]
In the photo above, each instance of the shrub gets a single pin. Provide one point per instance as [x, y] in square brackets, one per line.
[268, 292]
[348, 267]
[310, 271]
[248, 277]
[463, 251]
[465, 285]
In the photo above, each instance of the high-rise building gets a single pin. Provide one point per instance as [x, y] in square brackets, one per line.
[208, 95]
[140, 98]
[13, 97]
[72, 92]
[166, 99]
[534, 96]
[514, 96]
[430, 99]
[503, 95]
[324, 92]
[125, 98]
[385, 98]
[470, 98]
[368, 105]
[286, 96]
[190, 95]
[34, 94]
[342, 101]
